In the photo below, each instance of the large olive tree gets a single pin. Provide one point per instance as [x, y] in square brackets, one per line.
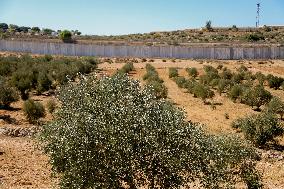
[111, 133]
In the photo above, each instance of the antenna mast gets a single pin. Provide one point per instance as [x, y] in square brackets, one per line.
[258, 15]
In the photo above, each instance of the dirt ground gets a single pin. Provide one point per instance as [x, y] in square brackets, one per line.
[23, 165]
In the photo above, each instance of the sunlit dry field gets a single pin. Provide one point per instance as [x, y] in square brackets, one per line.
[23, 165]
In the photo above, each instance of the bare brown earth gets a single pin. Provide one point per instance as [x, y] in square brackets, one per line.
[23, 165]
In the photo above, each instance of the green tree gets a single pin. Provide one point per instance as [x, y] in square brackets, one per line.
[7, 95]
[173, 72]
[274, 81]
[35, 29]
[110, 131]
[4, 26]
[47, 31]
[66, 36]
[208, 25]
[202, 91]
[260, 128]
[43, 83]
[257, 96]
[158, 89]
[192, 72]
[236, 92]
[33, 110]
[127, 68]
[276, 106]
[13, 28]
[23, 81]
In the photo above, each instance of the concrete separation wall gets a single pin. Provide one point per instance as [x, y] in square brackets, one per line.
[225, 53]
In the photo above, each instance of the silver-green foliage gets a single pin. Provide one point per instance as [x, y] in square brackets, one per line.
[33, 110]
[173, 72]
[276, 106]
[110, 131]
[8, 94]
[260, 128]
[257, 96]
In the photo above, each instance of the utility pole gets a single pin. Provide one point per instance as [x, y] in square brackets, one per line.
[258, 15]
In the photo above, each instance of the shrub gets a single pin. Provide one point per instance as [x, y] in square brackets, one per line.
[151, 74]
[149, 67]
[47, 58]
[220, 67]
[276, 106]
[158, 88]
[208, 69]
[236, 92]
[254, 37]
[51, 106]
[237, 78]
[249, 76]
[274, 81]
[33, 110]
[250, 176]
[127, 68]
[260, 128]
[226, 74]
[110, 131]
[43, 83]
[192, 72]
[23, 81]
[5, 68]
[92, 61]
[7, 95]
[173, 72]
[242, 68]
[214, 83]
[189, 85]
[180, 81]
[223, 85]
[66, 36]
[260, 77]
[82, 68]
[208, 78]
[257, 96]
[202, 91]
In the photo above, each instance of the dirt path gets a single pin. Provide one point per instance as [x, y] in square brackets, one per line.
[23, 166]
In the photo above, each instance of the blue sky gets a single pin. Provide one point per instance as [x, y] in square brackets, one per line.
[110, 17]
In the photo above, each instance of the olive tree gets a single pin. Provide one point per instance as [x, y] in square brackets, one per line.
[202, 91]
[23, 81]
[257, 96]
[260, 128]
[111, 133]
[33, 110]
[276, 106]
[7, 94]
[192, 72]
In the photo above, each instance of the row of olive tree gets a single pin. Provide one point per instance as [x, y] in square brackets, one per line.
[259, 129]
[28, 73]
[154, 81]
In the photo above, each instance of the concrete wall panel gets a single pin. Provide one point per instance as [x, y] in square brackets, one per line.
[225, 53]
